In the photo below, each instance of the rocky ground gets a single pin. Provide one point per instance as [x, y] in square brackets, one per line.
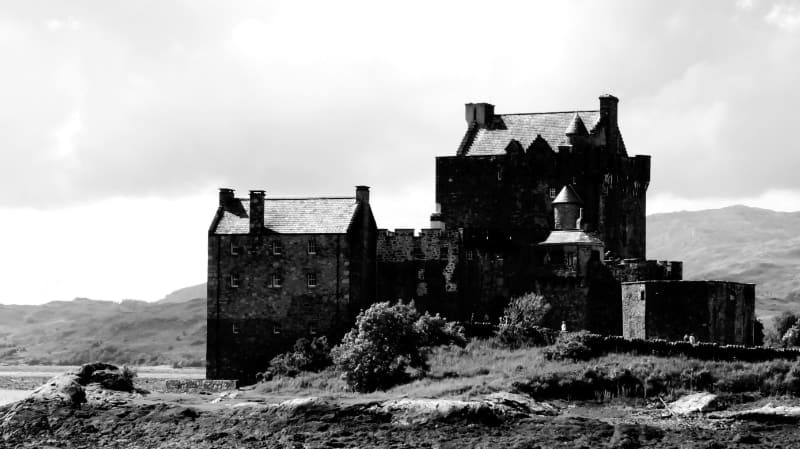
[59, 416]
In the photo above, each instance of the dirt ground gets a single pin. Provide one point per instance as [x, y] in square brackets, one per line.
[250, 420]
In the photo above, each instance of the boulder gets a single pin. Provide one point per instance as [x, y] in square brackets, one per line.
[768, 412]
[694, 403]
[64, 388]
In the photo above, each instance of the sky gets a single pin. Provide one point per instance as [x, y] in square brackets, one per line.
[121, 119]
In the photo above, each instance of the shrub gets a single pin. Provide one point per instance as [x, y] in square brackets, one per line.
[307, 355]
[437, 331]
[574, 346]
[521, 323]
[792, 336]
[386, 341]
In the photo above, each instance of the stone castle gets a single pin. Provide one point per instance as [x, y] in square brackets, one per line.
[541, 202]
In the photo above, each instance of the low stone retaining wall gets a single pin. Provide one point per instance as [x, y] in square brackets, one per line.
[198, 385]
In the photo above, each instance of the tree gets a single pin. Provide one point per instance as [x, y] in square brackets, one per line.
[386, 341]
[784, 322]
[522, 321]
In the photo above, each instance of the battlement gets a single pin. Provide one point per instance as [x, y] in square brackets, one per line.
[406, 245]
[633, 270]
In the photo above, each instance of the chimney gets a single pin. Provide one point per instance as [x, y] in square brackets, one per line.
[256, 211]
[481, 114]
[362, 194]
[436, 221]
[608, 112]
[225, 196]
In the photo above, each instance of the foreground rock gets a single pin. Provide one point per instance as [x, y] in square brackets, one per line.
[768, 412]
[69, 388]
[694, 403]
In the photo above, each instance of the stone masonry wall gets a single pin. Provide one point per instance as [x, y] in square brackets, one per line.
[714, 311]
[250, 320]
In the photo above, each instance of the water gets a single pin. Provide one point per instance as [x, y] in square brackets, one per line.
[8, 396]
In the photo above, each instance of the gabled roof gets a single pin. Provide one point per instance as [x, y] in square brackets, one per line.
[292, 215]
[567, 195]
[524, 128]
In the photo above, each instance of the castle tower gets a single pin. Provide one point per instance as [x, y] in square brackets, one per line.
[567, 209]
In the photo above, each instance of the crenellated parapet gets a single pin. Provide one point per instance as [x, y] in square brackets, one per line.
[634, 270]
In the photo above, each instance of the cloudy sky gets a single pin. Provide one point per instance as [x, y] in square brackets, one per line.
[121, 119]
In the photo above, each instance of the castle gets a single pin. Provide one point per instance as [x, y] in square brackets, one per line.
[541, 202]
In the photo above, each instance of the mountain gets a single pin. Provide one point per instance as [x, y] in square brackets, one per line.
[85, 330]
[737, 243]
[185, 294]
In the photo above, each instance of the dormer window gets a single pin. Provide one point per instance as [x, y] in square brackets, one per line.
[277, 247]
[312, 246]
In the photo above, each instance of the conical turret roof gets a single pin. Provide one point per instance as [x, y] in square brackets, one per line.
[576, 127]
[567, 195]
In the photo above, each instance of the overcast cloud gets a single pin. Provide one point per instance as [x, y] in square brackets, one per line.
[115, 111]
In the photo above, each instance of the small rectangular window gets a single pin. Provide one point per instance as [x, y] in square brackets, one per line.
[470, 254]
[443, 252]
[312, 246]
[277, 247]
[421, 274]
[311, 280]
[233, 280]
[276, 280]
[276, 329]
[313, 327]
[552, 192]
[499, 174]
[235, 250]
[235, 329]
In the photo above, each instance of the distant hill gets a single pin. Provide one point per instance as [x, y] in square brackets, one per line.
[736, 243]
[185, 294]
[83, 330]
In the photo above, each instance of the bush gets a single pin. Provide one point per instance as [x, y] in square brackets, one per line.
[521, 323]
[783, 322]
[307, 355]
[386, 341]
[574, 346]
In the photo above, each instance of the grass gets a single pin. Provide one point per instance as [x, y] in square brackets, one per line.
[484, 366]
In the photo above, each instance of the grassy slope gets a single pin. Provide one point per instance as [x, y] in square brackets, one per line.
[74, 332]
[735, 243]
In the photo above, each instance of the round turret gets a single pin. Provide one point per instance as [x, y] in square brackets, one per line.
[567, 209]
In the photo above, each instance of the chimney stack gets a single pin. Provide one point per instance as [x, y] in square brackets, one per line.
[256, 211]
[608, 112]
[480, 113]
[225, 196]
[362, 194]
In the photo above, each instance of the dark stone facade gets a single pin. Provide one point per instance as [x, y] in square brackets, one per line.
[253, 316]
[714, 311]
[499, 231]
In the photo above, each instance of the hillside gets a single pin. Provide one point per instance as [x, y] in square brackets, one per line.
[736, 243]
[185, 294]
[83, 330]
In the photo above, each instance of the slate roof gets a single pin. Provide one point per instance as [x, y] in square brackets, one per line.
[524, 128]
[574, 237]
[567, 195]
[292, 216]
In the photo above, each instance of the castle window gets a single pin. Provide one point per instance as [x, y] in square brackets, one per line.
[313, 327]
[235, 329]
[443, 252]
[570, 262]
[276, 280]
[470, 254]
[421, 274]
[311, 280]
[233, 280]
[234, 250]
[276, 329]
[499, 174]
[552, 192]
[641, 295]
[312, 246]
[277, 247]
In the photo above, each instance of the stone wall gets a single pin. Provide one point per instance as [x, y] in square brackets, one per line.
[632, 270]
[714, 311]
[510, 193]
[198, 385]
